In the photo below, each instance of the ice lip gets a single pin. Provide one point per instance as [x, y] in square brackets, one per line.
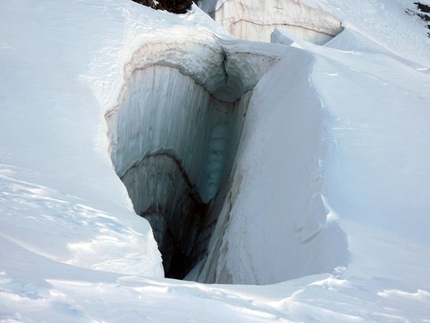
[174, 134]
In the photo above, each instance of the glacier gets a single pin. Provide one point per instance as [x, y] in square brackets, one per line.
[305, 195]
[174, 135]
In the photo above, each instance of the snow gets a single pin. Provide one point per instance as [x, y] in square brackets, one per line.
[328, 198]
[298, 244]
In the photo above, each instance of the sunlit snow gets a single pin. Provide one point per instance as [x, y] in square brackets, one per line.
[310, 155]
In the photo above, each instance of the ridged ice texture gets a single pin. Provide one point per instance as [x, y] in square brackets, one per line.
[175, 131]
[164, 197]
[256, 20]
[175, 147]
[225, 69]
[167, 112]
[207, 60]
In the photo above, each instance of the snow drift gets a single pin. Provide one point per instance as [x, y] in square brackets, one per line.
[334, 149]
[293, 234]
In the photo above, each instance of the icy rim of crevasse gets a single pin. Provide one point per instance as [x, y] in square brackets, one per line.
[204, 61]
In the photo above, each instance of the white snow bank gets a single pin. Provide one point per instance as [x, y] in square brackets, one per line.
[60, 195]
[378, 157]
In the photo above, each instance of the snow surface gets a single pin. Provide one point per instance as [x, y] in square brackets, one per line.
[329, 197]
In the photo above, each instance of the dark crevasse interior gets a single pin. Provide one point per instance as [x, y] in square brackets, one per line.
[175, 144]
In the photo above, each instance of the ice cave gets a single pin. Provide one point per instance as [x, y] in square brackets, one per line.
[177, 126]
[174, 135]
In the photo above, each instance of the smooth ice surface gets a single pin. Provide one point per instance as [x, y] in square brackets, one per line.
[73, 250]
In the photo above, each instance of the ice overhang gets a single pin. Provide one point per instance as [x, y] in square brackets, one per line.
[211, 62]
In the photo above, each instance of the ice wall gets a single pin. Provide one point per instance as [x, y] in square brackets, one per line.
[256, 20]
[174, 136]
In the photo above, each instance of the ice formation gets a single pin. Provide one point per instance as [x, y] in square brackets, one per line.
[276, 223]
[174, 136]
[256, 20]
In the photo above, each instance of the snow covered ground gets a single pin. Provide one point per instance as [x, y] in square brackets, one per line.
[329, 198]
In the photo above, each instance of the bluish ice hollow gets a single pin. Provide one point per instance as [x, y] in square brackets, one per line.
[174, 136]
[174, 148]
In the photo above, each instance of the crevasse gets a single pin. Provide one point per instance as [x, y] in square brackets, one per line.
[174, 136]
[177, 125]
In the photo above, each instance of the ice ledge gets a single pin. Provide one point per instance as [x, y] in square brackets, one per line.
[243, 19]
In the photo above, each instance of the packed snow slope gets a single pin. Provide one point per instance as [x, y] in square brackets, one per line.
[327, 200]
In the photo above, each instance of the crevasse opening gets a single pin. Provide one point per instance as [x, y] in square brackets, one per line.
[185, 134]
[173, 144]
[256, 20]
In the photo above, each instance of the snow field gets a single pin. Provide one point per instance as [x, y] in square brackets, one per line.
[331, 176]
